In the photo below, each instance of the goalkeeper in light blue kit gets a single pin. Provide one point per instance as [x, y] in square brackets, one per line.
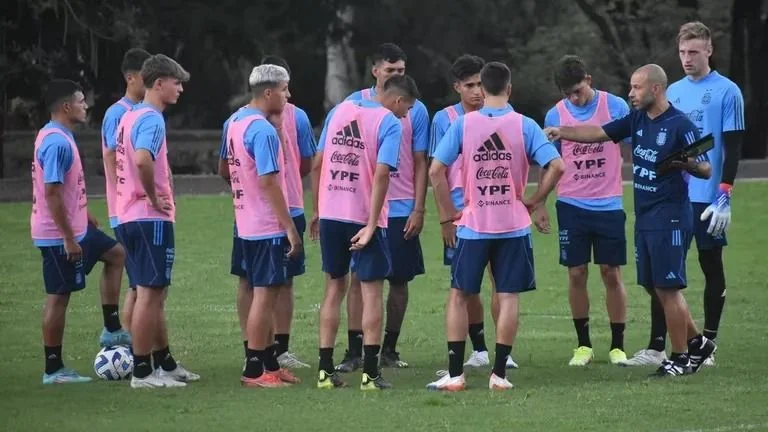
[715, 105]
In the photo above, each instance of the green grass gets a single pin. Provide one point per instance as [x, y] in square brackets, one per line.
[549, 396]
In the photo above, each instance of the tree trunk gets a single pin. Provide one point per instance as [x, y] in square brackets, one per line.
[596, 12]
[341, 76]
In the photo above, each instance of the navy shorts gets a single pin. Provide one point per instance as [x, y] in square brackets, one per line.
[150, 251]
[296, 265]
[583, 231]
[660, 258]
[128, 272]
[370, 264]
[237, 265]
[511, 261]
[63, 277]
[705, 240]
[266, 261]
[408, 261]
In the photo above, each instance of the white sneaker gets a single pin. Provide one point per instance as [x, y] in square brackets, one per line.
[511, 363]
[497, 383]
[289, 360]
[646, 357]
[179, 374]
[710, 361]
[154, 380]
[478, 359]
[446, 383]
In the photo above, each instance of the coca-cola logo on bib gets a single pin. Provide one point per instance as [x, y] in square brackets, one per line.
[350, 158]
[497, 173]
[587, 149]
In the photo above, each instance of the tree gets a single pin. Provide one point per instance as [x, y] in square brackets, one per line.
[749, 60]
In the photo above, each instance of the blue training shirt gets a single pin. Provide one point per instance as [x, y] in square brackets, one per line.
[420, 143]
[715, 105]
[537, 147]
[661, 203]
[112, 118]
[618, 108]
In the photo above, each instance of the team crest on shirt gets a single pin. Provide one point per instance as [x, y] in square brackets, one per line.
[707, 98]
[661, 138]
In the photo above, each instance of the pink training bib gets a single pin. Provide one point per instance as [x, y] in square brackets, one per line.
[401, 185]
[349, 162]
[254, 214]
[73, 193]
[111, 187]
[495, 172]
[132, 201]
[591, 170]
[293, 183]
[454, 171]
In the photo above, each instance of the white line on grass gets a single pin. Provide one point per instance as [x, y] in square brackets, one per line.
[730, 428]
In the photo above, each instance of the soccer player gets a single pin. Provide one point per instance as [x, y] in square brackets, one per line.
[407, 192]
[268, 234]
[64, 231]
[663, 223]
[134, 93]
[298, 144]
[493, 228]
[590, 214]
[466, 75]
[715, 105]
[359, 146]
[146, 211]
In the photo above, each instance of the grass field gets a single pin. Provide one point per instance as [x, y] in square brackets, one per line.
[549, 396]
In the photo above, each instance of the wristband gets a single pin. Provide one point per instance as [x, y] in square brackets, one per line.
[726, 189]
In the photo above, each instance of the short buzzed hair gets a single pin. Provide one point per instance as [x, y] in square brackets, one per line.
[402, 85]
[267, 76]
[161, 66]
[569, 71]
[694, 30]
[654, 73]
[466, 66]
[277, 61]
[495, 77]
[59, 91]
[133, 60]
[389, 52]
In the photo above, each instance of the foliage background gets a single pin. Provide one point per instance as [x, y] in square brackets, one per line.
[327, 42]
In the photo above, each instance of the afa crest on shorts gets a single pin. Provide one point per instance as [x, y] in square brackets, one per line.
[661, 138]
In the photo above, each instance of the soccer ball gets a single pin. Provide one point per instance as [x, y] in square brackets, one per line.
[113, 363]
